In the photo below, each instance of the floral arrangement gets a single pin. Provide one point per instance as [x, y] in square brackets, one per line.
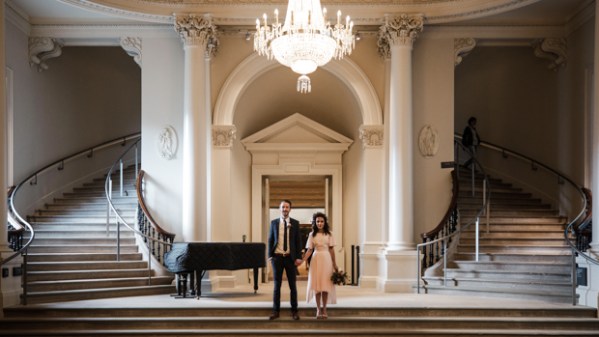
[339, 277]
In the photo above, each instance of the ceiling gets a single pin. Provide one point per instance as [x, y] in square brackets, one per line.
[245, 12]
[331, 102]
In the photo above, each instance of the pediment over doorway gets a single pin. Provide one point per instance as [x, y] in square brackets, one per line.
[297, 132]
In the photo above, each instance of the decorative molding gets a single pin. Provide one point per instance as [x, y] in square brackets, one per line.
[399, 30]
[42, 49]
[553, 49]
[428, 141]
[167, 143]
[223, 135]
[198, 30]
[372, 136]
[462, 47]
[132, 45]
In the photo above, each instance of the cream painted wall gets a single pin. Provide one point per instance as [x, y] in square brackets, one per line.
[87, 96]
[162, 105]
[433, 105]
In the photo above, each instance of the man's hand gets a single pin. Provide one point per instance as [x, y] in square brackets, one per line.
[298, 262]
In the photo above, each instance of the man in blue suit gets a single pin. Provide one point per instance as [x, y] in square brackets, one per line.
[285, 253]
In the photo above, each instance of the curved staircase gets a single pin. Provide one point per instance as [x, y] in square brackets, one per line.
[74, 254]
[523, 254]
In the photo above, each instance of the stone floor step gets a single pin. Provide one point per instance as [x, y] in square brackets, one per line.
[93, 233]
[83, 240]
[87, 294]
[84, 265]
[517, 241]
[49, 286]
[81, 249]
[511, 275]
[35, 276]
[492, 292]
[64, 257]
[511, 265]
[515, 256]
[555, 233]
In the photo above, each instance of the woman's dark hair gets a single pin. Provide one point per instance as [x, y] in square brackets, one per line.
[325, 228]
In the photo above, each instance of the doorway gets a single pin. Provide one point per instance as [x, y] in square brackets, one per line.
[308, 194]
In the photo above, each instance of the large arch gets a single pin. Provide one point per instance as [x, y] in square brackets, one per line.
[255, 65]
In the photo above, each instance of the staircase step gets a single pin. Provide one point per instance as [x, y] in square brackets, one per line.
[540, 235]
[519, 266]
[88, 294]
[89, 233]
[510, 257]
[511, 275]
[82, 249]
[63, 257]
[104, 241]
[34, 276]
[517, 242]
[58, 285]
[494, 292]
[85, 265]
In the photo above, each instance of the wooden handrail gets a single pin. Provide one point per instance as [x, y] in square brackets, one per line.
[142, 204]
[450, 210]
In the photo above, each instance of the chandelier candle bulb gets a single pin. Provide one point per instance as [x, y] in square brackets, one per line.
[304, 41]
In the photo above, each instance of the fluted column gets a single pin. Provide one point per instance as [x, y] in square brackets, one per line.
[199, 39]
[396, 38]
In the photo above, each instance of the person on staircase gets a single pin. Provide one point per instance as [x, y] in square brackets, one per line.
[320, 246]
[285, 253]
[470, 140]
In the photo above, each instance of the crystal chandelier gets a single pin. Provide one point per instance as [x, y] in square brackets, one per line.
[305, 41]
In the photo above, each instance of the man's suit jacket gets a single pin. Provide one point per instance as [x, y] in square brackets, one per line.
[295, 240]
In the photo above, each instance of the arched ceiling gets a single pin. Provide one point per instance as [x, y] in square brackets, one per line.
[330, 103]
[245, 12]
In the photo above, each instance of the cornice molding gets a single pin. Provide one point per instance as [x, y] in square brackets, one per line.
[15, 15]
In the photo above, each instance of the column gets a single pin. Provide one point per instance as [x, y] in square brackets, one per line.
[199, 39]
[396, 39]
[590, 295]
[4, 249]
[399, 34]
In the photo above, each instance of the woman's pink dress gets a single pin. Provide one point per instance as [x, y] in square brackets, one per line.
[321, 267]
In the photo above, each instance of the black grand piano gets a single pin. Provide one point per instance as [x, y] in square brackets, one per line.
[189, 258]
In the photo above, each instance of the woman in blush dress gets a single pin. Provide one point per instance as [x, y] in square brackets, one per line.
[320, 246]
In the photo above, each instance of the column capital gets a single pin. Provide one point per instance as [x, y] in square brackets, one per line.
[372, 136]
[401, 29]
[223, 135]
[197, 31]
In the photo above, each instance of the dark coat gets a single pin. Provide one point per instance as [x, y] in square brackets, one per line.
[295, 238]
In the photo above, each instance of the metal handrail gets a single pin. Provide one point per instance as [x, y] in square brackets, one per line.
[484, 210]
[119, 218]
[13, 214]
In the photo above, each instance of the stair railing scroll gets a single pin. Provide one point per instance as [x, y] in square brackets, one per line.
[52, 177]
[575, 210]
[157, 240]
[435, 244]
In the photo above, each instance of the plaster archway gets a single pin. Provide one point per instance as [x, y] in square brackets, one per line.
[255, 65]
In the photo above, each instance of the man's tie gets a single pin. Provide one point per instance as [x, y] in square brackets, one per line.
[285, 235]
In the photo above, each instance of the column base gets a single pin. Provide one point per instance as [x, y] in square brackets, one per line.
[588, 294]
[401, 271]
[11, 284]
[370, 273]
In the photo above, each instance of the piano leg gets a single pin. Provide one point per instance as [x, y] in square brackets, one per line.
[255, 280]
[198, 283]
[192, 283]
[181, 284]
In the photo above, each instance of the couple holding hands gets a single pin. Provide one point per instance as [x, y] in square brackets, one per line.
[285, 254]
